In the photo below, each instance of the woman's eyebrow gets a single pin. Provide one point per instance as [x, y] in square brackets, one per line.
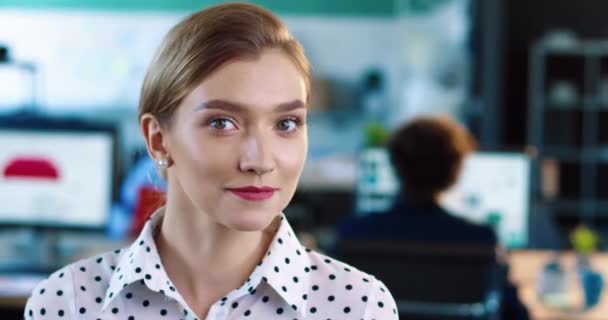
[290, 106]
[239, 108]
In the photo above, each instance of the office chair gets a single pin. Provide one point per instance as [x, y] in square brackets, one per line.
[431, 281]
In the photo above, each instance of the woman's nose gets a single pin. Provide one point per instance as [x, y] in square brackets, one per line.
[257, 156]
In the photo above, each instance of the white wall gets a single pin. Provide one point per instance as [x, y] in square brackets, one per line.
[97, 59]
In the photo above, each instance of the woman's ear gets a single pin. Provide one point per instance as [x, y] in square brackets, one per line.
[155, 138]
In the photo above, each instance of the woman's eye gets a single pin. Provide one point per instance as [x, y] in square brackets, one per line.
[222, 124]
[288, 125]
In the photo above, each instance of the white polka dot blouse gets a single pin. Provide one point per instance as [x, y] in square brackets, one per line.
[291, 282]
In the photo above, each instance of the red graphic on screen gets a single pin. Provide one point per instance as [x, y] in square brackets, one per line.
[31, 168]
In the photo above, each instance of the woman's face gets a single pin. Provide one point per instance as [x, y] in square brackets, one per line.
[238, 141]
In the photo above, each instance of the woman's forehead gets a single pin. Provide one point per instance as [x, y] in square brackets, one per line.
[270, 81]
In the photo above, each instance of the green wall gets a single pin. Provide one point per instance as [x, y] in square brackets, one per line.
[300, 7]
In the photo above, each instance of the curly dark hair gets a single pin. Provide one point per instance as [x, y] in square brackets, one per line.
[427, 154]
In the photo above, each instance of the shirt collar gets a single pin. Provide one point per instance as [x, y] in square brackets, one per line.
[141, 262]
[282, 268]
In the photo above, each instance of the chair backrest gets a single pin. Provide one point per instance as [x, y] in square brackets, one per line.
[433, 280]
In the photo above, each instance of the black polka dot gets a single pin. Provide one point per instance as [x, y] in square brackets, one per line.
[83, 269]
[163, 312]
[97, 278]
[364, 298]
[157, 266]
[332, 277]
[114, 310]
[247, 313]
[131, 318]
[349, 287]
[279, 310]
[43, 311]
[331, 298]
[60, 313]
[82, 288]
[42, 291]
[295, 279]
[59, 293]
[235, 305]
[146, 303]
[98, 300]
[137, 270]
[83, 310]
[313, 310]
[129, 295]
[346, 310]
[61, 275]
[276, 269]
[304, 296]
[265, 299]
[315, 287]
[287, 260]
[148, 277]
[99, 260]
[381, 304]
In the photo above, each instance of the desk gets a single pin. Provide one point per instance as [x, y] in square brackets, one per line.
[525, 268]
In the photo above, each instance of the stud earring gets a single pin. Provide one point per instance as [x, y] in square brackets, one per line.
[163, 163]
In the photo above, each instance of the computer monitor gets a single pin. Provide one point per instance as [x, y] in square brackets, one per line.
[493, 189]
[56, 174]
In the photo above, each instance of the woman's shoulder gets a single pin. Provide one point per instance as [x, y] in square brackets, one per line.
[59, 294]
[341, 279]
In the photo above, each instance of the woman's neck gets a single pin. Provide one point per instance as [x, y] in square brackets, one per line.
[204, 259]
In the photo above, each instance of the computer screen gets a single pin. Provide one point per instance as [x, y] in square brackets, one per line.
[56, 177]
[493, 189]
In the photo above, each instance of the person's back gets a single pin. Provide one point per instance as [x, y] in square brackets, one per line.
[417, 222]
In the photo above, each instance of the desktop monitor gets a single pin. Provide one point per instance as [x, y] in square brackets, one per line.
[493, 189]
[56, 174]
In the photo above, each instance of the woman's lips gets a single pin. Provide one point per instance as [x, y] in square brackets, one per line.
[253, 193]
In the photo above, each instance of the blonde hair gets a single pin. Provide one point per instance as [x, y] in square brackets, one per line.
[203, 42]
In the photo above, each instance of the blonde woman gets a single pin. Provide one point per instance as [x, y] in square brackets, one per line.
[223, 114]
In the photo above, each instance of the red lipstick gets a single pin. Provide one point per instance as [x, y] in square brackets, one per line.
[253, 193]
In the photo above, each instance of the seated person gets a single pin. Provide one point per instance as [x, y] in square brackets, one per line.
[427, 154]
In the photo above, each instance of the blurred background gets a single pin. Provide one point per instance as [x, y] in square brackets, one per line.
[529, 80]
